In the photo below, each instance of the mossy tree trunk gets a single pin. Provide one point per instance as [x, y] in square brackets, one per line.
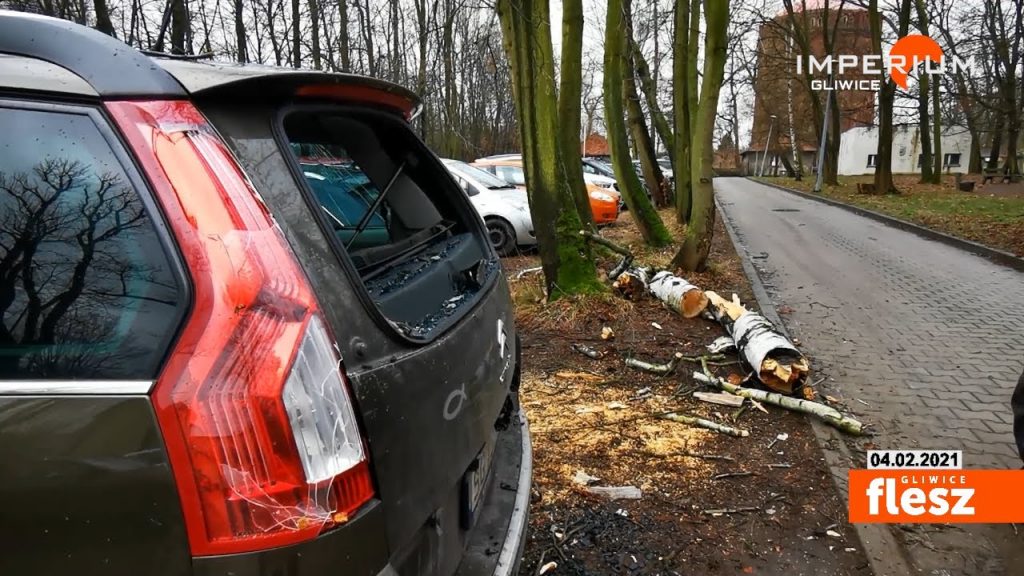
[646, 217]
[931, 146]
[565, 257]
[684, 99]
[570, 96]
[653, 176]
[693, 254]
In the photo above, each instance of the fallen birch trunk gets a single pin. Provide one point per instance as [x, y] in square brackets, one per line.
[778, 363]
[826, 413]
[679, 295]
[707, 424]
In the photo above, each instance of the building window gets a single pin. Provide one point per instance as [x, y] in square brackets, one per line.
[872, 160]
[951, 160]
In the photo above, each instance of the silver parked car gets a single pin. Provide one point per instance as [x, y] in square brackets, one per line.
[505, 209]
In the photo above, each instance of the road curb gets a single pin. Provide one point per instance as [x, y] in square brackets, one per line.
[884, 553]
[993, 254]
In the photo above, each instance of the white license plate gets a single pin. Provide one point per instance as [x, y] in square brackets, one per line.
[474, 484]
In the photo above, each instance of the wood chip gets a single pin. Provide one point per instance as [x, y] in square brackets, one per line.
[719, 398]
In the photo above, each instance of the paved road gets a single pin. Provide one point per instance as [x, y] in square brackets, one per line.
[923, 340]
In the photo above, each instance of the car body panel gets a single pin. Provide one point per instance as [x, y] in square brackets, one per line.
[423, 434]
[511, 205]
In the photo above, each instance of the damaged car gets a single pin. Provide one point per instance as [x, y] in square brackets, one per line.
[251, 325]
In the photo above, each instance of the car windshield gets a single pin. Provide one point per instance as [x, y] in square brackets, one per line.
[486, 179]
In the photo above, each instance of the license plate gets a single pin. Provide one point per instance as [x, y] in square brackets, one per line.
[474, 484]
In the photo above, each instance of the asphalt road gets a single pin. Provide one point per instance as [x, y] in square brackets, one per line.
[923, 340]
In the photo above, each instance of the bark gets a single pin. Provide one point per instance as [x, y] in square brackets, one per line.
[684, 100]
[650, 91]
[659, 369]
[937, 131]
[103, 23]
[570, 97]
[343, 40]
[676, 293]
[644, 215]
[931, 160]
[564, 255]
[241, 53]
[693, 255]
[296, 35]
[825, 413]
[707, 424]
[653, 176]
[886, 98]
[179, 26]
[777, 362]
[314, 33]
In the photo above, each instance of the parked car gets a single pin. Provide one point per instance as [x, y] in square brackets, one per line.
[504, 208]
[189, 251]
[604, 202]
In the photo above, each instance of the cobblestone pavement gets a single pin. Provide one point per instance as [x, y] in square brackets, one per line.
[921, 339]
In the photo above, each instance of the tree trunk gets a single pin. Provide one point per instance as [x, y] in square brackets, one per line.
[343, 41]
[650, 91]
[693, 255]
[314, 33]
[241, 54]
[684, 58]
[937, 131]
[296, 35]
[653, 176]
[565, 257]
[886, 98]
[570, 97]
[646, 217]
[103, 23]
[924, 129]
[179, 26]
[997, 144]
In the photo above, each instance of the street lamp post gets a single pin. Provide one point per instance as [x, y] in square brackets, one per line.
[764, 157]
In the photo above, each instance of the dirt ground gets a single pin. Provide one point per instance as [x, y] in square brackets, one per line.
[779, 513]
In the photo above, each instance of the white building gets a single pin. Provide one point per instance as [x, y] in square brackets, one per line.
[858, 147]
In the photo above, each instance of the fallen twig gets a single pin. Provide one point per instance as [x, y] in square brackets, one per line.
[825, 413]
[724, 511]
[602, 241]
[732, 475]
[587, 351]
[708, 456]
[659, 369]
[522, 273]
[780, 465]
[707, 424]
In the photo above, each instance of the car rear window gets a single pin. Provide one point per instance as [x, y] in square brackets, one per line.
[394, 210]
[86, 289]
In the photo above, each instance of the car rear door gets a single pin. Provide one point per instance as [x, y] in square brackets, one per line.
[91, 296]
[426, 334]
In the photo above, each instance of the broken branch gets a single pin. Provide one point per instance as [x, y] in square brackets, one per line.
[826, 413]
[602, 241]
[587, 351]
[707, 424]
[779, 364]
[659, 369]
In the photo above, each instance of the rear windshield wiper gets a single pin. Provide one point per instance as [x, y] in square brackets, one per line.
[365, 220]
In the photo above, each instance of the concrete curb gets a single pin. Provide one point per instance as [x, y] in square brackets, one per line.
[884, 553]
[995, 255]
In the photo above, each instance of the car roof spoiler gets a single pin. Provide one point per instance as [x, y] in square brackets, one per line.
[88, 54]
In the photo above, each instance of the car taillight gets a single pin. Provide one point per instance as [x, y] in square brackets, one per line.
[254, 408]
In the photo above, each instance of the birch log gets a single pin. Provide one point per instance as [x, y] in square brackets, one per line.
[679, 295]
[779, 364]
[827, 414]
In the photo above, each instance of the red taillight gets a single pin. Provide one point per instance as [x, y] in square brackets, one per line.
[254, 409]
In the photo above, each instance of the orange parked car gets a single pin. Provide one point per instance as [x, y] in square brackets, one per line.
[604, 203]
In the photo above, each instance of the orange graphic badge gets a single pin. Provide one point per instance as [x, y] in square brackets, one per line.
[910, 51]
[936, 496]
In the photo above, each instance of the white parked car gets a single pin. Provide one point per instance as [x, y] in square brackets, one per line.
[504, 208]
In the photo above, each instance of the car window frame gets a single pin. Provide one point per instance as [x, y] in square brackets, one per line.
[341, 256]
[135, 176]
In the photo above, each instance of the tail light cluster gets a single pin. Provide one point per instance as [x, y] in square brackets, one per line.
[255, 411]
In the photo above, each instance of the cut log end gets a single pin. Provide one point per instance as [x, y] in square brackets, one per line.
[783, 376]
[694, 302]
